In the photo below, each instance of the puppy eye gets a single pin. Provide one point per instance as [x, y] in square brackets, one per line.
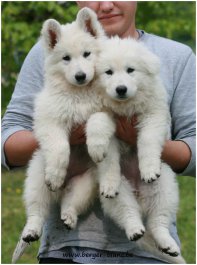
[67, 58]
[86, 54]
[109, 72]
[130, 70]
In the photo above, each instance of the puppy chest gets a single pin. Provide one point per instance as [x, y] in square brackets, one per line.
[71, 108]
[83, 110]
[78, 110]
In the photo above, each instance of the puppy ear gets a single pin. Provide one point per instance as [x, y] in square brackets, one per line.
[87, 20]
[151, 62]
[51, 33]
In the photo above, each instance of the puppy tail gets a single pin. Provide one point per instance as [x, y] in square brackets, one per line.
[19, 250]
[147, 244]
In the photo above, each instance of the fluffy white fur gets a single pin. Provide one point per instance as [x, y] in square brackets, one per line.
[62, 104]
[129, 78]
[67, 99]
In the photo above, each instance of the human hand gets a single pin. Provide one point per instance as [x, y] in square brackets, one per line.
[125, 129]
[78, 135]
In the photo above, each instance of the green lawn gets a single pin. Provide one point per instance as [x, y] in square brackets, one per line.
[13, 218]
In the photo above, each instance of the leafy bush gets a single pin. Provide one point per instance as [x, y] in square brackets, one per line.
[174, 20]
[21, 25]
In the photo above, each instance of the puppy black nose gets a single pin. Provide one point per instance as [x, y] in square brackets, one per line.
[121, 90]
[80, 77]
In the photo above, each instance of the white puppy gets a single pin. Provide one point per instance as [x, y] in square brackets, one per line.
[129, 78]
[67, 99]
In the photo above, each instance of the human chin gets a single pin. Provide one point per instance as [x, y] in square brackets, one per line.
[113, 29]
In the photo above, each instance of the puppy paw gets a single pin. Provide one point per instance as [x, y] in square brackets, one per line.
[70, 219]
[30, 235]
[55, 179]
[54, 185]
[169, 248]
[150, 177]
[150, 173]
[109, 190]
[136, 233]
[98, 152]
[169, 251]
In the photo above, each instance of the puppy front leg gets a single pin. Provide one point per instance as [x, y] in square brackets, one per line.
[152, 133]
[109, 173]
[99, 130]
[54, 142]
[78, 195]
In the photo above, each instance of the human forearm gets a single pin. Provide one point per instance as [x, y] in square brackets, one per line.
[19, 148]
[177, 154]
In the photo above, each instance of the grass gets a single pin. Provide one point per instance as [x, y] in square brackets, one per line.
[13, 218]
[186, 221]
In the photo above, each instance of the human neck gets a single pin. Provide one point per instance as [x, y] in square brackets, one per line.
[131, 32]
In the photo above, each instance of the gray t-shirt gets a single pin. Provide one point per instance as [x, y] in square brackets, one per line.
[94, 230]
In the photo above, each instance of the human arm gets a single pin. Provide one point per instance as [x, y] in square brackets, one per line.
[183, 112]
[19, 148]
[18, 142]
[177, 154]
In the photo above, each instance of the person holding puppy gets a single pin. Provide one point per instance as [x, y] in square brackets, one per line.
[97, 239]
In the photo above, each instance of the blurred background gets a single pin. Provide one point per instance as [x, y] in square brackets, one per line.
[21, 25]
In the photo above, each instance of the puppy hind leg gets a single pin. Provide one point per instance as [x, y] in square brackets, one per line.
[125, 211]
[77, 197]
[37, 199]
[147, 243]
[162, 207]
